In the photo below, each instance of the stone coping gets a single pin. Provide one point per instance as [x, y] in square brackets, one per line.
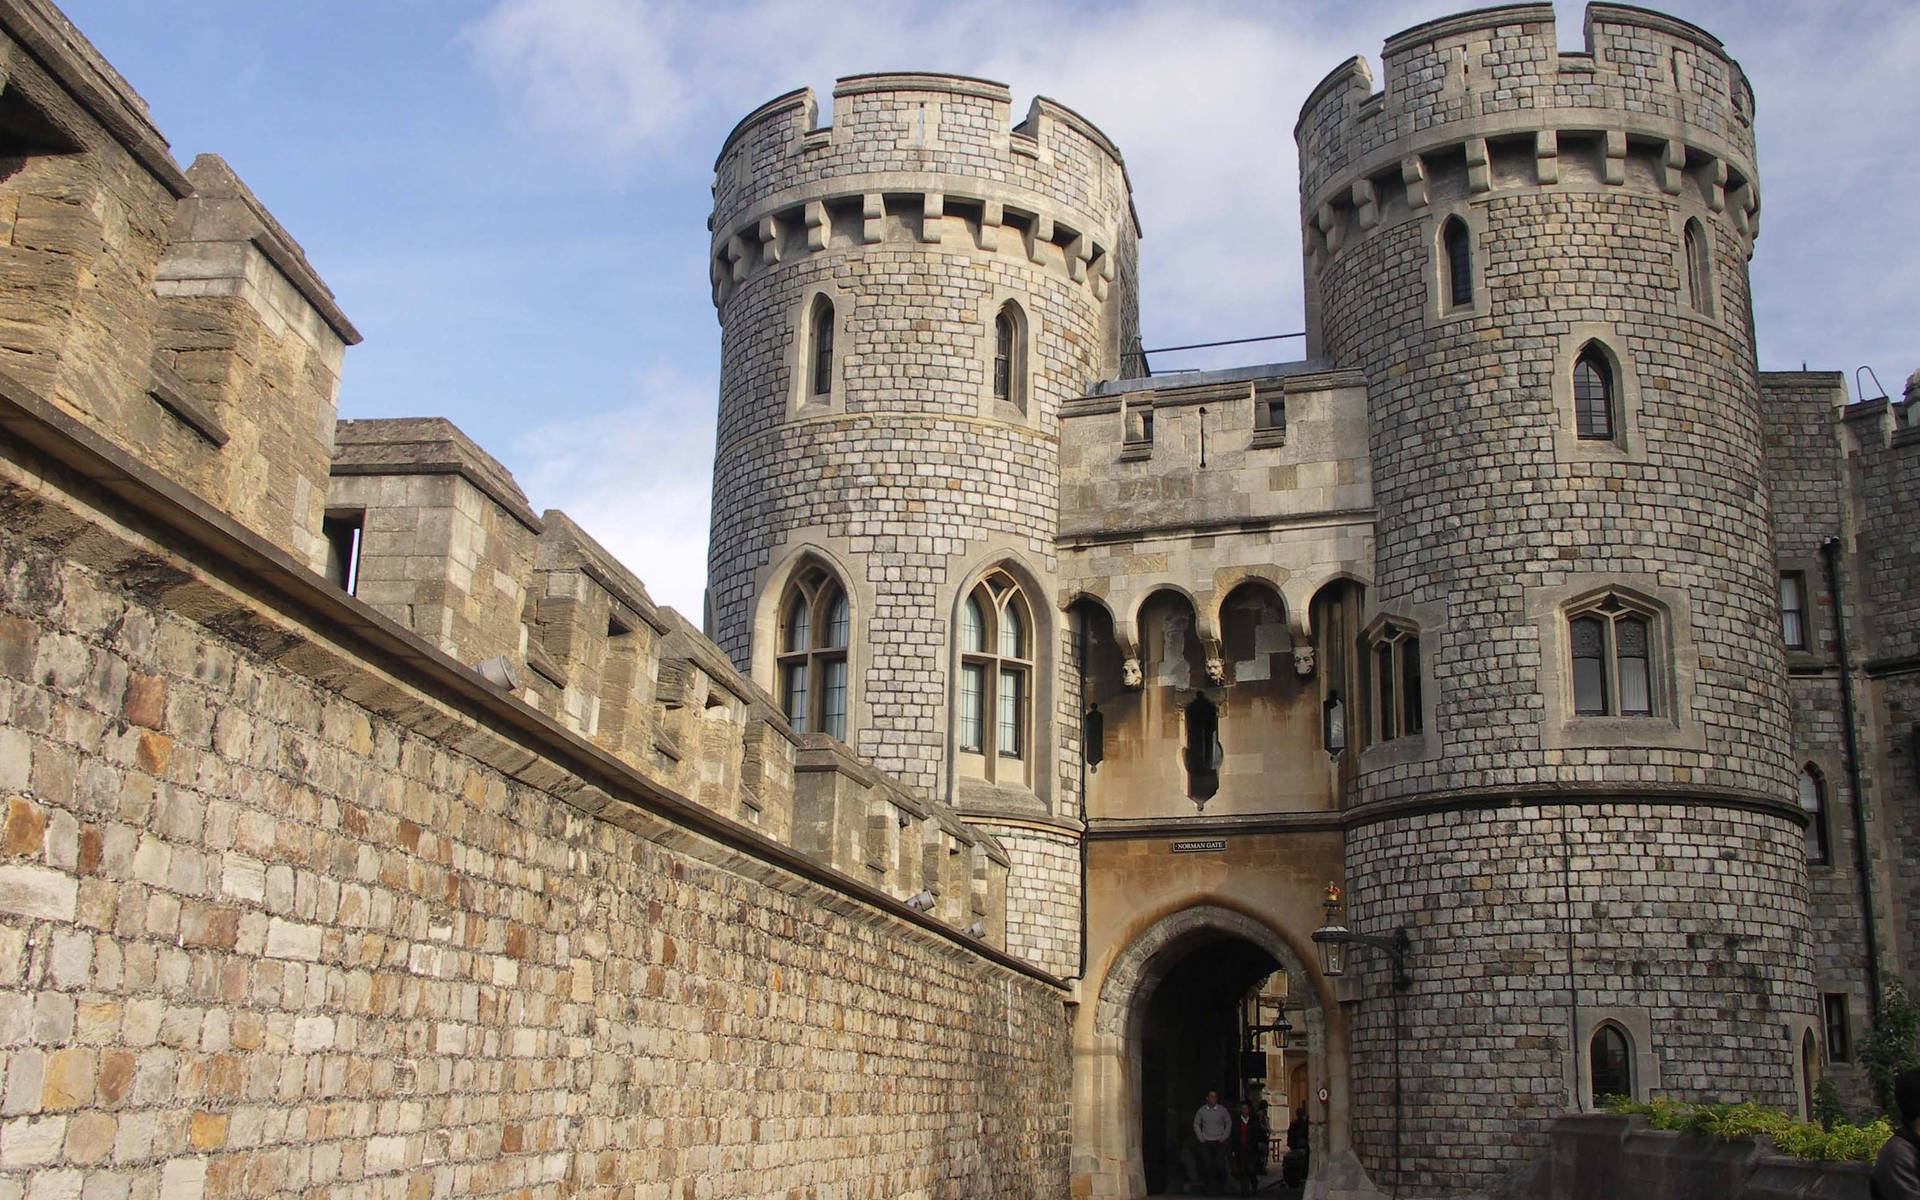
[107, 97]
[546, 751]
[426, 446]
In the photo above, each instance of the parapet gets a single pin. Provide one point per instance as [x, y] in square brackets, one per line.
[946, 144]
[1497, 74]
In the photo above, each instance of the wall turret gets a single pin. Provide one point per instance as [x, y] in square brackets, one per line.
[1574, 782]
[907, 298]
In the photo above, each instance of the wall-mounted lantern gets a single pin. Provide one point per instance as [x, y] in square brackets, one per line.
[1333, 937]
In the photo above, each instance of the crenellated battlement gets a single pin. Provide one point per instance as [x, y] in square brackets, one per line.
[921, 157]
[1649, 100]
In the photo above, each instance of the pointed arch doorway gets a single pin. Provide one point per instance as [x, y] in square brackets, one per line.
[1167, 1031]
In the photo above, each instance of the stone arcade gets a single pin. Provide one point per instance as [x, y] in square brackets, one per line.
[370, 833]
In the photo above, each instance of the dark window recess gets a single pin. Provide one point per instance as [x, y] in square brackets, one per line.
[343, 549]
[1093, 732]
[1839, 1038]
[1593, 396]
[1270, 409]
[1203, 749]
[1459, 254]
[26, 132]
[1003, 356]
[1610, 1064]
[822, 338]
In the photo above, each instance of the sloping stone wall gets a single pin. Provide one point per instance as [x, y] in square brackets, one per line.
[276, 921]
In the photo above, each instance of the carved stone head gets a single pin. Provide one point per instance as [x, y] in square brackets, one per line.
[1303, 661]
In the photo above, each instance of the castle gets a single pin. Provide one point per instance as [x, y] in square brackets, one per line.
[370, 833]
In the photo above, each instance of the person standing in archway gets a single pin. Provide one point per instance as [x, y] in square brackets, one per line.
[1212, 1124]
[1249, 1148]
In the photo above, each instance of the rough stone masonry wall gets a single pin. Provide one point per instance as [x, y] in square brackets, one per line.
[262, 939]
[1807, 480]
[1885, 471]
[1694, 916]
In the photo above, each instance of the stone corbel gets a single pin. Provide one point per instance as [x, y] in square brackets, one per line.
[873, 213]
[770, 235]
[1546, 156]
[1079, 254]
[1479, 169]
[1615, 169]
[1039, 234]
[1103, 275]
[993, 215]
[1743, 206]
[737, 256]
[1673, 166]
[933, 212]
[1130, 675]
[1330, 227]
[818, 228]
[1717, 186]
[1216, 671]
[1413, 173]
[1365, 203]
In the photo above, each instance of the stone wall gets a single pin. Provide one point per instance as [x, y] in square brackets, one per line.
[284, 910]
[1808, 483]
[1883, 445]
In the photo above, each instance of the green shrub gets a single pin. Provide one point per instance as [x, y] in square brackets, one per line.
[1731, 1122]
[1889, 1048]
[1826, 1104]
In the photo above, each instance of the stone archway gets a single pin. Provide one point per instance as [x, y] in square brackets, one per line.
[1112, 1152]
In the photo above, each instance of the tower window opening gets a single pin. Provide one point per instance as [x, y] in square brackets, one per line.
[820, 341]
[815, 628]
[993, 707]
[1457, 245]
[1593, 393]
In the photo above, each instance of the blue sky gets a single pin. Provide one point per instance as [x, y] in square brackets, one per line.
[509, 197]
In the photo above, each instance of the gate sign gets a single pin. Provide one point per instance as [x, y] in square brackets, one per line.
[1199, 847]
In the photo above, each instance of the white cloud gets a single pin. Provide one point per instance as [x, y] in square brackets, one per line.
[603, 70]
[636, 478]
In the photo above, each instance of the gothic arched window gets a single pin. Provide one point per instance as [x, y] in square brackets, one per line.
[1609, 1063]
[815, 627]
[820, 349]
[1699, 270]
[993, 707]
[1593, 395]
[1010, 356]
[1617, 661]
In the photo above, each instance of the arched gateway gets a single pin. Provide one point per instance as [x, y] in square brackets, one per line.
[1155, 1038]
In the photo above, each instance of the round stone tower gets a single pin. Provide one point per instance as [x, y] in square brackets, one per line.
[1574, 788]
[907, 297]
